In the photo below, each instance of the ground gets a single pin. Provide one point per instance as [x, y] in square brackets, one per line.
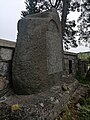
[78, 107]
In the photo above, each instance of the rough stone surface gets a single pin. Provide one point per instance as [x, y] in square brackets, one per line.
[88, 75]
[46, 105]
[6, 54]
[37, 63]
[64, 87]
[5, 68]
[7, 43]
[4, 86]
[2, 83]
[82, 66]
[69, 56]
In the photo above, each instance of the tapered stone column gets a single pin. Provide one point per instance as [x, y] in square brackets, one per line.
[38, 58]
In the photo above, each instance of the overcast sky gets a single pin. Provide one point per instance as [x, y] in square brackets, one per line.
[10, 12]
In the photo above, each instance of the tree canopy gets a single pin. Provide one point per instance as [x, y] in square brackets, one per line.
[84, 23]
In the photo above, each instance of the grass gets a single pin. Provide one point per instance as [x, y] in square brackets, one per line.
[72, 112]
[82, 112]
[81, 78]
[89, 64]
[65, 114]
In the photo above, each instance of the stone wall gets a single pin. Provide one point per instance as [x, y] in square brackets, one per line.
[82, 66]
[70, 63]
[6, 55]
[7, 49]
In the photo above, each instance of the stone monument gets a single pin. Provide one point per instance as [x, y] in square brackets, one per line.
[38, 57]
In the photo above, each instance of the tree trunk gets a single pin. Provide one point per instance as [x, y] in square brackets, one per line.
[64, 14]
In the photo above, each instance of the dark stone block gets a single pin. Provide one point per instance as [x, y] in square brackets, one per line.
[88, 75]
[38, 61]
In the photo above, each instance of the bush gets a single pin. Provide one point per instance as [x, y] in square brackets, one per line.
[84, 112]
[82, 78]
